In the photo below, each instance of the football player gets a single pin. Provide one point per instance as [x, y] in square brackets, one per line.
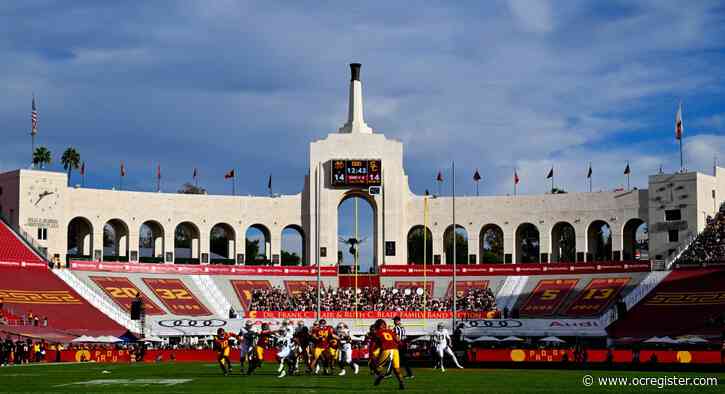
[442, 345]
[345, 354]
[389, 359]
[263, 341]
[247, 340]
[321, 336]
[221, 343]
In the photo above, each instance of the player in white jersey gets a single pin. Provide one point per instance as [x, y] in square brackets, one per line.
[441, 341]
[284, 340]
[345, 354]
[247, 338]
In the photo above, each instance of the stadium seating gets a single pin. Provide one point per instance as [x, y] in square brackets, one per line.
[12, 249]
[27, 286]
[709, 246]
[687, 301]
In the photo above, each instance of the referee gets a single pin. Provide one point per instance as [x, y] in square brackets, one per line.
[402, 347]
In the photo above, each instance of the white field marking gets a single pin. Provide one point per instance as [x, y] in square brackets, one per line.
[128, 382]
[48, 364]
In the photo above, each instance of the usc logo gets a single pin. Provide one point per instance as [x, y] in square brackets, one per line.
[688, 298]
[50, 297]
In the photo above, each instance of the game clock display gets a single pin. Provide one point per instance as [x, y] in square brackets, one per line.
[356, 173]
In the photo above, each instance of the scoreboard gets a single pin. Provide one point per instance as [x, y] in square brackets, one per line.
[353, 173]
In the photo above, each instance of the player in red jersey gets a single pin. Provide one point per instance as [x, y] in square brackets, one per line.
[373, 349]
[389, 358]
[321, 337]
[263, 342]
[221, 344]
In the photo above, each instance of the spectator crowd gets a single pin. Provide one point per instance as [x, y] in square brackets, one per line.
[709, 246]
[369, 299]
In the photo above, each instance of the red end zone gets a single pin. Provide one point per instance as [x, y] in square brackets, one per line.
[547, 297]
[177, 297]
[123, 292]
[597, 296]
[244, 289]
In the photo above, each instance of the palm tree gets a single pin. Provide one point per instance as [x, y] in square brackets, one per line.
[71, 160]
[41, 156]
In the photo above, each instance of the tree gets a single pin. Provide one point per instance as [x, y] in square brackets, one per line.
[252, 249]
[415, 246]
[71, 160]
[290, 258]
[188, 188]
[492, 245]
[41, 156]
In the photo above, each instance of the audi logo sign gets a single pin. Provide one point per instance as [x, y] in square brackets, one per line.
[495, 323]
[193, 323]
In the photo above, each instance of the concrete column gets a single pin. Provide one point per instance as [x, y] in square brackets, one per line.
[509, 244]
[168, 244]
[438, 248]
[276, 246]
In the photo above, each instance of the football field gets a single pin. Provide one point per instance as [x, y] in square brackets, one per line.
[207, 378]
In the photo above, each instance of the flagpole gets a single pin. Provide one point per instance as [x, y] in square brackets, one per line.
[682, 166]
[453, 191]
[318, 174]
[630, 171]
[234, 183]
[425, 256]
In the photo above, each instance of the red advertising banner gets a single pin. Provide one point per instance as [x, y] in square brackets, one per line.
[389, 270]
[464, 315]
[462, 286]
[123, 292]
[177, 297]
[547, 297]
[297, 287]
[244, 289]
[415, 284]
[597, 296]
[550, 355]
[553, 355]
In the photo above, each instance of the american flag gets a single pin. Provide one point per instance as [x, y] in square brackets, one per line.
[34, 119]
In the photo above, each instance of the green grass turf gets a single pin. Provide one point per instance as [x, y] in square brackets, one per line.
[207, 378]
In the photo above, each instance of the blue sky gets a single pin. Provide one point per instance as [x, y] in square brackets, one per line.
[247, 85]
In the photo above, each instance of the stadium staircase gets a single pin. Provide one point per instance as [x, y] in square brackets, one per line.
[212, 294]
[509, 292]
[98, 301]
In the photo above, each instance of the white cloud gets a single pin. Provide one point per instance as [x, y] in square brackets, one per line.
[532, 16]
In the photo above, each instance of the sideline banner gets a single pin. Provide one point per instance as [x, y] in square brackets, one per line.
[534, 327]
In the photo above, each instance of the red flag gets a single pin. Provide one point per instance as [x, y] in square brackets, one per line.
[229, 174]
[83, 168]
[158, 171]
[516, 178]
[123, 169]
[678, 123]
[439, 178]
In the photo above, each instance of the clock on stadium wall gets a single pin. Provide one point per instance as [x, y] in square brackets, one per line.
[351, 173]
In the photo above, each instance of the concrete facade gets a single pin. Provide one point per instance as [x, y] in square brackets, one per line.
[42, 200]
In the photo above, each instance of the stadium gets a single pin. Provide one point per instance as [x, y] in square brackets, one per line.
[594, 280]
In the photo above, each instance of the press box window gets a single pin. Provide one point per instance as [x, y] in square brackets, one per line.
[42, 234]
[672, 215]
[673, 236]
